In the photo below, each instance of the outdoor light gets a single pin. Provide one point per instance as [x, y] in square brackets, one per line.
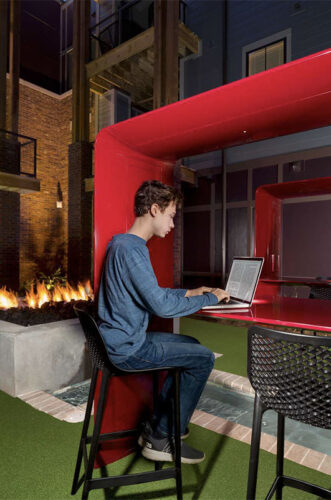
[59, 196]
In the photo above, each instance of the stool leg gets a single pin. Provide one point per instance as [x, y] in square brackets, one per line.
[84, 430]
[255, 448]
[157, 465]
[178, 443]
[280, 455]
[96, 431]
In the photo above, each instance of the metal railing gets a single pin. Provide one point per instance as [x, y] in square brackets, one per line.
[18, 154]
[121, 26]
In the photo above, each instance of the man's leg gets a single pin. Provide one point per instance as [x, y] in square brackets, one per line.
[196, 362]
[163, 404]
[185, 352]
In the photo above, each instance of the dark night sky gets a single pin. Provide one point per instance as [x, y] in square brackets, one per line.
[40, 42]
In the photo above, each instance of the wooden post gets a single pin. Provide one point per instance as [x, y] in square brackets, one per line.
[84, 107]
[3, 60]
[75, 71]
[14, 63]
[166, 17]
[80, 152]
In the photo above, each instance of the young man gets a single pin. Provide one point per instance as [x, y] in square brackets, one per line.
[129, 294]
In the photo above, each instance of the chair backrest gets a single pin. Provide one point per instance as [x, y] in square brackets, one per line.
[94, 340]
[292, 374]
[320, 292]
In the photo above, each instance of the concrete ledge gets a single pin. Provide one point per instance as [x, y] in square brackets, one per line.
[42, 357]
[234, 382]
[18, 183]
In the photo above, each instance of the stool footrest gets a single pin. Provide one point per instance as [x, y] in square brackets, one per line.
[299, 484]
[113, 435]
[125, 480]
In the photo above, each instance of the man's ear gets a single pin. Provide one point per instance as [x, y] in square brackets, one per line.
[154, 209]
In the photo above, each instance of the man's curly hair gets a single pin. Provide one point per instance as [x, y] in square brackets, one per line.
[151, 192]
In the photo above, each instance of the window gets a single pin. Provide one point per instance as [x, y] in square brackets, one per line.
[266, 57]
[267, 53]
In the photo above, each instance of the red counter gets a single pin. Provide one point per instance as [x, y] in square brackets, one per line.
[305, 314]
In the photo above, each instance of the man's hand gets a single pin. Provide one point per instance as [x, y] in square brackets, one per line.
[198, 291]
[220, 294]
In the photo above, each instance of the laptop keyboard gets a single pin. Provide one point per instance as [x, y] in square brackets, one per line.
[231, 301]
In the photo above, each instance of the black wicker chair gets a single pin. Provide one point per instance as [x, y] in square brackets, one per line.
[101, 361]
[320, 292]
[291, 374]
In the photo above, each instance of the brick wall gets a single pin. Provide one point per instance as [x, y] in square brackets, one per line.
[9, 243]
[43, 226]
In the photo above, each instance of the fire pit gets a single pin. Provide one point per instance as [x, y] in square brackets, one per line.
[37, 351]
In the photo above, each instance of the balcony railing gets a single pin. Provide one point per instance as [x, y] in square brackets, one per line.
[122, 25]
[18, 154]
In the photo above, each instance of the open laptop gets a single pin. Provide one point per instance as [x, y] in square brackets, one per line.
[242, 282]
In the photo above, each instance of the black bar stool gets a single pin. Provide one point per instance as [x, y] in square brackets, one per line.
[101, 361]
[291, 375]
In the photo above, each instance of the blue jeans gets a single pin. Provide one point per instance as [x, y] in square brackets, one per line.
[168, 349]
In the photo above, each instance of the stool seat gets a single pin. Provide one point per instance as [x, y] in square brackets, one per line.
[101, 362]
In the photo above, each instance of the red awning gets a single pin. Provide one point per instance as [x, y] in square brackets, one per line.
[290, 98]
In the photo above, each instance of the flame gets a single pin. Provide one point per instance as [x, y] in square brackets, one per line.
[7, 299]
[31, 298]
[42, 295]
[57, 295]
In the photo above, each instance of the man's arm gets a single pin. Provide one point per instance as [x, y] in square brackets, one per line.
[157, 300]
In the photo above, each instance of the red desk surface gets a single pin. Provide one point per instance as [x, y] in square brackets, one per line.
[310, 314]
[297, 281]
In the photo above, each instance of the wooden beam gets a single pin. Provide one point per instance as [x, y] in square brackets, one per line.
[96, 89]
[99, 86]
[147, 99]
[137, 78]
[133, 46]
[75, 72]
[3, 60]
[84, 102]
[166, 16]
[18, 183]
[188, 175]
[117, 75]
[146, 66]
[89, 184]
[14, 63]
[188, 38]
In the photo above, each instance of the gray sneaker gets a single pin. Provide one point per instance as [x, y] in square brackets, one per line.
[162, 450]
[148, 431]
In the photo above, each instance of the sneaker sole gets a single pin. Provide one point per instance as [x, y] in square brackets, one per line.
[142, 441]
[161, 456]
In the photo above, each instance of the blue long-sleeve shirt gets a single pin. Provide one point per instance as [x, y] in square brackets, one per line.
[129, 294]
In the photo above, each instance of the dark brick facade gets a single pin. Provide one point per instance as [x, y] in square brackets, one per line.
[9, 154]
[9, 240]
[9, 217]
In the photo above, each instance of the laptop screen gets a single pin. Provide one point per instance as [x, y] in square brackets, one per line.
[243, 278]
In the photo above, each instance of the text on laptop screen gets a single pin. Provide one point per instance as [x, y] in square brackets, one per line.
[242, 279]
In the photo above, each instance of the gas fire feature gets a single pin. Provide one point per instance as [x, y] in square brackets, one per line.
[46, 356]
[42, 305]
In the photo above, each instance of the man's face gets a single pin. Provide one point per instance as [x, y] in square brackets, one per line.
[163, 222]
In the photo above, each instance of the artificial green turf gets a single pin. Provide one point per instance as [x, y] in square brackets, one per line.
[38, 455]
[230, 341]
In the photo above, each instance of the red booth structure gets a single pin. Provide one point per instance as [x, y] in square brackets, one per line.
[290, 98]
[268, 226]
